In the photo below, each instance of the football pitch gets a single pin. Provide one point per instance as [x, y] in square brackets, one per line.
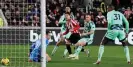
[113, 56]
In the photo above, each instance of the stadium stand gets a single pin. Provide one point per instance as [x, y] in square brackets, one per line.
[27, 12]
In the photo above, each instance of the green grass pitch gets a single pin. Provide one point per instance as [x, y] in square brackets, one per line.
[114, 56]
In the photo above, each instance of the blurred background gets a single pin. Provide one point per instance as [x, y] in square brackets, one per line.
[27, 12]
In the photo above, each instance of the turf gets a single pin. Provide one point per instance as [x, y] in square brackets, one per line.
[114, 56]
[18, 56]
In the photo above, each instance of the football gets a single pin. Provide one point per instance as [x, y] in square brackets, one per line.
[5, 61]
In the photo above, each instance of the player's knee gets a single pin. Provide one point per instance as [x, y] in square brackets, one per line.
[102, 43]
[77, 44]
[105, 41]
[123, 42]
[49, 59]
[67, 42]
[82, 43]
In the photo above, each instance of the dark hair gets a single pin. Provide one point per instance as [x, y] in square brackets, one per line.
[87, 14]
[47, 32]
[111, 6]
[67, 13]
[99, 11]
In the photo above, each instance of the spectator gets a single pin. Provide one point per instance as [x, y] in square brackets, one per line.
[77, 16]
[27, 12]
[62, 9]
[57, 14]
[100, 20]
[35, 21]
[81, 20]
[67, 9]
[131, 20]
[7, 14]
[57, 23]
[25, 23]
[14, 22]
[48, 22]
[127, 13]
[52, 19]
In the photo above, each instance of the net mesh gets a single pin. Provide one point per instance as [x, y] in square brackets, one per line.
[22, 18]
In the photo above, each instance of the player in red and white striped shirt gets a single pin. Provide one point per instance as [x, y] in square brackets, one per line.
[72, 26]
[72, 31]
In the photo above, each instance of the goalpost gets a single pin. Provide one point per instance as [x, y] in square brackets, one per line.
[43, 32]
[17, 38]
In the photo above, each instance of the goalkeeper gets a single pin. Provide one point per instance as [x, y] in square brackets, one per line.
[35, 50]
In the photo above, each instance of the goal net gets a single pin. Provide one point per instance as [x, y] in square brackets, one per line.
[19, 28]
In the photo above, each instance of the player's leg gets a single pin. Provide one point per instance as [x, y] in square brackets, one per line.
[109, 36]
[87, 52]
[68, 37]
[83, 50]
[68, 47]
[75, 37]
[34, 55]
[122, 38]
[80, 44]
[101, 49]
[31, 48]
[90, 41]
[65, 52]
[57, 45]
[48, 58]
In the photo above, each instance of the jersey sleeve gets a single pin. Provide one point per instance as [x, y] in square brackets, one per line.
[109, 19]
[62, 19]
[126, 23]
[93, 27]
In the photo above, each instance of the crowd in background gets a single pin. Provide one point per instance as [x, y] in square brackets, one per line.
[27, 12]
[21, 12]
[55, 10]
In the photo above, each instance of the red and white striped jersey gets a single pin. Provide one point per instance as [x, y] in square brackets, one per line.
[72, 25]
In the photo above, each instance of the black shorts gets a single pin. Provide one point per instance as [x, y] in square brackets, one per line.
[74, 38]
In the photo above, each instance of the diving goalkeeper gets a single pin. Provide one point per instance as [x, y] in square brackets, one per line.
[35, 50]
